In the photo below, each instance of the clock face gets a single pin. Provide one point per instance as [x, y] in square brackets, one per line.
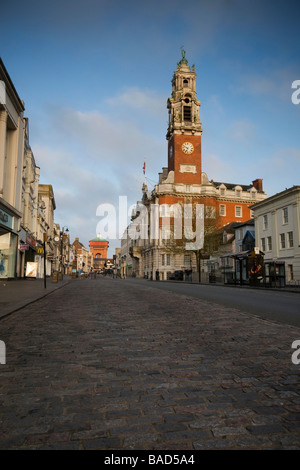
[187, 147]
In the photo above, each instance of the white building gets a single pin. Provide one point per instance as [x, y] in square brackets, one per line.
[46, 227]
[30, 185]
[11, 166]
[277, 229]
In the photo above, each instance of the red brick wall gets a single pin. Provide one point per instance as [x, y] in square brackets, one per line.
[211, 201]
[99, 247]
[179, 157]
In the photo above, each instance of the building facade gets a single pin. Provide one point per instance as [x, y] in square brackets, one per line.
[45, 229]
[98, 249]
[185, 206]
[11, 169]
[277, 229]
[82, 256]
[28, 246]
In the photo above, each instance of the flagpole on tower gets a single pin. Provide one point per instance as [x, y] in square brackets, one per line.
[144, 170]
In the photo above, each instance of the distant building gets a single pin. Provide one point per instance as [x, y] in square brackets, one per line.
[46, 227]
[98, 249]
[82, 255]
[277, 233]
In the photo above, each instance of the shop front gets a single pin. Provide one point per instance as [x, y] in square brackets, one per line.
[8, 245]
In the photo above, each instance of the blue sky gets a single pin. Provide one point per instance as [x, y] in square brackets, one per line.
[95, 76]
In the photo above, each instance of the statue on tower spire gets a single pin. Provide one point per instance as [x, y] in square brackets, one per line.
[183, 61]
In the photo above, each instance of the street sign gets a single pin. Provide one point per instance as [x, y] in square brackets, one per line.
[24, 247]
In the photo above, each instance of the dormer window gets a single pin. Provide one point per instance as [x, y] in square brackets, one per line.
[253, 192]
[238, 191]
[222, 190]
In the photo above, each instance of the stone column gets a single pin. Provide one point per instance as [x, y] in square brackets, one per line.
[3, 126]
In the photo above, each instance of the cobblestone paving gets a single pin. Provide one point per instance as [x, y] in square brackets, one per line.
[108, 364]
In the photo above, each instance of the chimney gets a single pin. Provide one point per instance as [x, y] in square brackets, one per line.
[258, 184]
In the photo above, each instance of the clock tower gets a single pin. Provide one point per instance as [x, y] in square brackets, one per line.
[184, 131]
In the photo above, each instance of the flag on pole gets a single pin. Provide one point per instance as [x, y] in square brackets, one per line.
[144, 168]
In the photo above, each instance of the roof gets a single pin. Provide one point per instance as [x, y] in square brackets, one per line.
[271, 199]
[232, 185]
[98, 239]
[248, 222]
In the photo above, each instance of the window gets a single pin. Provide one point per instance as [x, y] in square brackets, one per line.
[290, 272]
[187, 113]
[168, 260]
[285, 215]
[282, 241]
[188, 188]
[162, 259]
[265, 222]
[290, 239]
[263, 244]
[222, 209]
[185, 83]
[210, 212]
[240, 234]
[269, 243]
[238, 211]
[238, 191]
[187, 260]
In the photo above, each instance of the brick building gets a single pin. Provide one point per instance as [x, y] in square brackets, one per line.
[98, 250]
[182, 183]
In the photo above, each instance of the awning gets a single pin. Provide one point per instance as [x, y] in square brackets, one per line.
[238, 255]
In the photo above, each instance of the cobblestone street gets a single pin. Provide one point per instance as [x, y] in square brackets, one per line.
[109, 364]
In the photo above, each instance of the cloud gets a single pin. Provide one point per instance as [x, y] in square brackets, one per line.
[135, 98]
[216, 168]
[242, 131]
[275, 83]
[92, 158]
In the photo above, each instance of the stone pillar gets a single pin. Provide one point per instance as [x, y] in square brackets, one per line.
[3, 126]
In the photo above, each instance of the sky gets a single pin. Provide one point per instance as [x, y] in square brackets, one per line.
[95, 76]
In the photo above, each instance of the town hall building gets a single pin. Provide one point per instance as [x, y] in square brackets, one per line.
[182, 185]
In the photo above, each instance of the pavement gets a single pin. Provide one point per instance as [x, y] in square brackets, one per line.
[113, 365]
[16, 294]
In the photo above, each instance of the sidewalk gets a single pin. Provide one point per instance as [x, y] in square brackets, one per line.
[286, 288]
[16, 294]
